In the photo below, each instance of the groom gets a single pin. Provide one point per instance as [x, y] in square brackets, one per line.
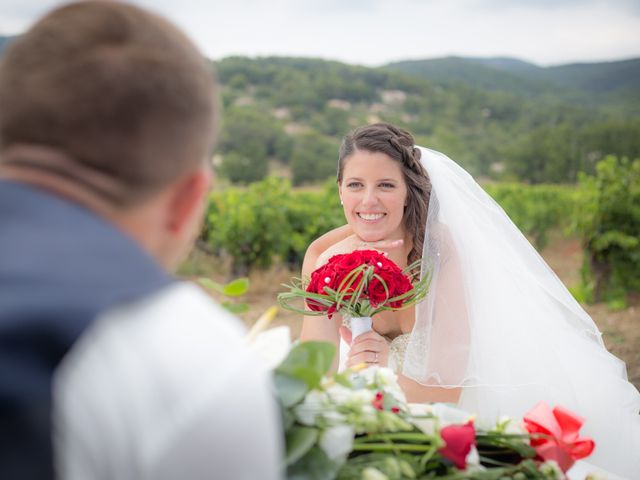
[109, 367]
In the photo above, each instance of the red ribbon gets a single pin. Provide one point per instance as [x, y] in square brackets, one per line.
[560, 440]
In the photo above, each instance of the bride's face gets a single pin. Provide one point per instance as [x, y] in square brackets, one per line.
[373, 193]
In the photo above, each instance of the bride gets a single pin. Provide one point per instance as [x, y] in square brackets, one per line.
[498, 331]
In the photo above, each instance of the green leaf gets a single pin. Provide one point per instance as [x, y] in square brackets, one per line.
[289, 390]
[236, 308]
[210, 284]
[308, 362]
[315, 465]
[288, 420]
[299, 441]
[237, 287]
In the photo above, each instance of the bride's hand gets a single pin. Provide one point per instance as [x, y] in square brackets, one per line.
[370, 348]
[392, 248]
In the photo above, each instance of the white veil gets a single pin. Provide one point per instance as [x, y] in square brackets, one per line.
[500, 324]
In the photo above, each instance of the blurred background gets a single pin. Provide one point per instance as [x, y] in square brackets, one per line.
[538, 99]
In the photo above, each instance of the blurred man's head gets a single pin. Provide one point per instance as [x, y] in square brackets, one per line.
[114, 107]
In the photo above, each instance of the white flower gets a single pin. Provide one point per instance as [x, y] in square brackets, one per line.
[337, 442]
[333, 417]
[449, 415]
[428, 426]
[420, 409]
[509, 425]
[550, 468]
[596, 476]
[386, 377]
[339, 394]
[473, 457]
[371, 473]
[357, 398]
[313, 404]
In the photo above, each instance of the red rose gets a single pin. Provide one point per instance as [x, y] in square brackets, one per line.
[377, 293]
[339, 267]
[346, 262]
[458, 441]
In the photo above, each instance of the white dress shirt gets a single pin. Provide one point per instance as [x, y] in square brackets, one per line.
[165, 388]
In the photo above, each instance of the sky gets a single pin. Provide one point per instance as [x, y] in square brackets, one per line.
[375, 32]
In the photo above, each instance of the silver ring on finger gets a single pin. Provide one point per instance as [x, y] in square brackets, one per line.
[375, 358]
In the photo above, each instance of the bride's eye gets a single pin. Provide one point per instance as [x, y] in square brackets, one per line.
[354, 184]
[387, 185]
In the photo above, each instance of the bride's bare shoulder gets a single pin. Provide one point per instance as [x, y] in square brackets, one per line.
[321, 245]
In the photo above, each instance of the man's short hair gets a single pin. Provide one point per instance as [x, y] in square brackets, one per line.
[120, 91]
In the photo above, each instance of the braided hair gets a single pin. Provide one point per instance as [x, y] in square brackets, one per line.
[399, 145]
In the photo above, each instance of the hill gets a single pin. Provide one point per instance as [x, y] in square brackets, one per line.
[495, 116]
[608, 80]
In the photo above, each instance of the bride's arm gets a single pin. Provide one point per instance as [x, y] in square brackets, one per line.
[321, 328]
[418, 393]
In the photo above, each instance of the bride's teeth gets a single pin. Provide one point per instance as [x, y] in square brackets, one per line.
[371, 216]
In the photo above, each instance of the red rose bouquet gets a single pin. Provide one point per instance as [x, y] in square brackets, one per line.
[358, 284]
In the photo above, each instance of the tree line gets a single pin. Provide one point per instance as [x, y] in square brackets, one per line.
[292, 113]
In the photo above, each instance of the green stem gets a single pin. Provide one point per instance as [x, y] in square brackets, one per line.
[394, 436]
[428, 456]
[386, 447]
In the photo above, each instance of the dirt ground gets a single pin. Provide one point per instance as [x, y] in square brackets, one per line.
[621, 329]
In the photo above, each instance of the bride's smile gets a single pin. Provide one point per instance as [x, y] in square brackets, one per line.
[373, 193]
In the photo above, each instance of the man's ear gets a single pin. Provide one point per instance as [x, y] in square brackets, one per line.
[186, 202]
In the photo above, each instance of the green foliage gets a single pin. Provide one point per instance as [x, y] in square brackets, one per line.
[235, 288]
[241, 168]
[535, 209]
[301, 372]
[268, 220]
[251, 226]
[500, 118]
[314, 158]
[249, 137]
[310, 215]
[610, 227]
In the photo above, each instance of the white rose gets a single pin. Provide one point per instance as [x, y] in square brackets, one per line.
[333, 417]
[313, 404]
[339, 394]
[449, 415]
[428, 426]
[512, 426]
[386, 377]
[337, 442]
[420, 409]
[359, 398]
[371, 473]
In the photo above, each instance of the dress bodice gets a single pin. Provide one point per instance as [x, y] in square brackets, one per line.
[397, 350]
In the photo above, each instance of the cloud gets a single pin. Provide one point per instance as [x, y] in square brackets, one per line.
[629, 6]
[374, 32]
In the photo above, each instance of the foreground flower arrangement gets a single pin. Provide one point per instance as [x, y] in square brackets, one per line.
[357, 424]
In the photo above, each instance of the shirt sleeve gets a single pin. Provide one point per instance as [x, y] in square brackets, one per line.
[165, 388]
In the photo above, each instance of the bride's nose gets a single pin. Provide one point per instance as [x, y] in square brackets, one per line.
[369, 198]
